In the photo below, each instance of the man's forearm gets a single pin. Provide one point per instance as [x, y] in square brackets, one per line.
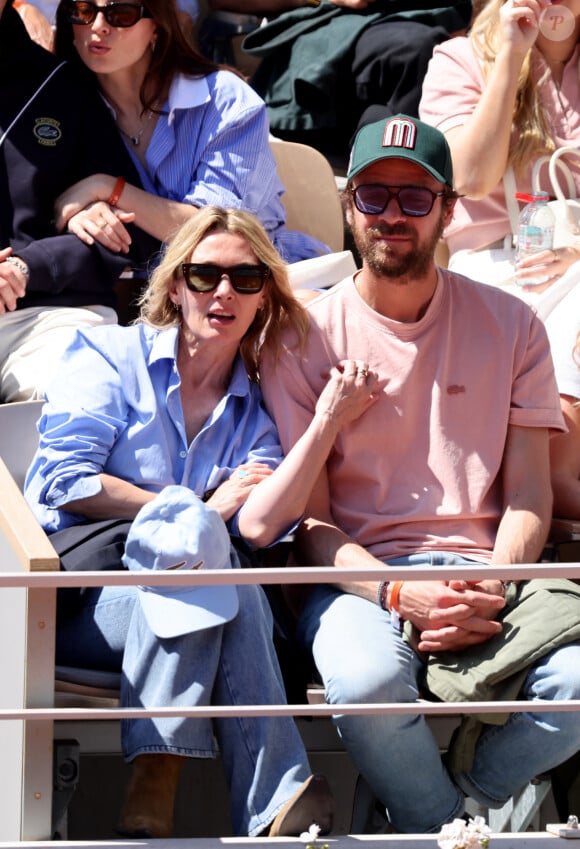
[320, 543]
[521, 535]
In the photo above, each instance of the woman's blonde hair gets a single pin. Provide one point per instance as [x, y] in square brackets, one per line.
[281, 309]
[534, 137]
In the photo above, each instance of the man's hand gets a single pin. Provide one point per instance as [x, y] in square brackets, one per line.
[12, 282]
[452, 615]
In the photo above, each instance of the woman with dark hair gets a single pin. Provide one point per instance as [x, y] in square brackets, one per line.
[161, 426]
[197, 132]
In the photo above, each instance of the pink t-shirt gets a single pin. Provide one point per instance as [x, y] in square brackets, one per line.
[421, 470]
[451, 90]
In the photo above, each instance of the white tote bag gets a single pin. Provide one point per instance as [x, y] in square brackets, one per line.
[566, 206]
[495, 265]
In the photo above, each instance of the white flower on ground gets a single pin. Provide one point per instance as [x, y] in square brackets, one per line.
[464, 835]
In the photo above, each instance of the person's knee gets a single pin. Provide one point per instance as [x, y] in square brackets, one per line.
[558, 675]
[358, 682]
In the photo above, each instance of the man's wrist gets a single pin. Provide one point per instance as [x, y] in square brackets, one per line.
[382, 595]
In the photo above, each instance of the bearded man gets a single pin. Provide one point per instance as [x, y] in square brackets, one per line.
[449, 466]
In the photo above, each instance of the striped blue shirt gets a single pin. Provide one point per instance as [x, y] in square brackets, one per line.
[115, 408]
[210, 146]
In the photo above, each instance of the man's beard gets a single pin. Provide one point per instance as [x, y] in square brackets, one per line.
[385, 262]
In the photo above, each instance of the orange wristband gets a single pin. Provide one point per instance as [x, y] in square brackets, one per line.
[117, 192]
[394, 599]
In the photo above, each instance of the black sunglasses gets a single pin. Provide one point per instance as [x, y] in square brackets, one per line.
[84, 12]
[415, 201]
[205, 277]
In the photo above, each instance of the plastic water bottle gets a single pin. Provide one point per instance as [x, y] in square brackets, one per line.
[535, 230]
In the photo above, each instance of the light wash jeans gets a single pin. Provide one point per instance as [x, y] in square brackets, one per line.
[363, 658]
[232, 664]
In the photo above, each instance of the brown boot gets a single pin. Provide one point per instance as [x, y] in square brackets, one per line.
[312, 803]
[150, 797]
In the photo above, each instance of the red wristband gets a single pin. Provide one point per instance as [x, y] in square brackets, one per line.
[117, 192]
[394, 599]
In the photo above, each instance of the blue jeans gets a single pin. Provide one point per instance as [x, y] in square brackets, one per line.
[233, 664]
[363, 658]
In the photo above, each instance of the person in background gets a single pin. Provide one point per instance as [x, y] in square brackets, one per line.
[50, 282]
[503, 96]
[328, 68]
[170, 434]
[448, 467]
[38, 26]
[198, 134]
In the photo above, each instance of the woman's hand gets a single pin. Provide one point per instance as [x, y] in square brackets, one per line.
[351, 389]
[101, 223]
[81, 195]
[232, 493]
[553, 264]
[520, 23]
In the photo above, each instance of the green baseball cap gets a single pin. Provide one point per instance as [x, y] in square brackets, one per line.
[402, 137]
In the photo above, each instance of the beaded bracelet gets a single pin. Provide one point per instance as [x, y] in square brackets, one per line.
[117, 191]
[382, 595]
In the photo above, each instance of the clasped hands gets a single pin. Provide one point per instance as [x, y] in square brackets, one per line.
[452, 615]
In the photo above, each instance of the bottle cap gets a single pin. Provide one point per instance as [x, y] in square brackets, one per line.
[528, 198]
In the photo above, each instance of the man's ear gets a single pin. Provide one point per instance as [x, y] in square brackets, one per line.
[448, 209]
[348, 214]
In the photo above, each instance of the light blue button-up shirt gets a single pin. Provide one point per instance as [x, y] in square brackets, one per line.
[210, 146]
[115, 408]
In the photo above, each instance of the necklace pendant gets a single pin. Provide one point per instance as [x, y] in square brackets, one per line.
[134, 140]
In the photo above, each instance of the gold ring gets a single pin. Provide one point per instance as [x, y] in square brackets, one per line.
[364, 372]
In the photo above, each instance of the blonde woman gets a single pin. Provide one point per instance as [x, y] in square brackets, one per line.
[505, 94]
[172, 403]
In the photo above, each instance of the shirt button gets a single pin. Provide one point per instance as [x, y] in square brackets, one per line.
[183, 454]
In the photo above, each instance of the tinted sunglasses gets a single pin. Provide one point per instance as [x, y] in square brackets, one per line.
[415, 201]
[205, 277]
[84, 12]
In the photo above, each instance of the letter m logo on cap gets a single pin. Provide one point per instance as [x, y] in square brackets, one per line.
[400, 133]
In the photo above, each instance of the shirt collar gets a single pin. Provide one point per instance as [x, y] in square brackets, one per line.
[186, 93]
[164, 347]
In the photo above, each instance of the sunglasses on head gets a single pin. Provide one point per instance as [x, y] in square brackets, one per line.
[205, 277]
[414, 201]
[84, 12]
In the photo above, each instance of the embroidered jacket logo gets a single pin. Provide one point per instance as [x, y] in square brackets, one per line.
[47, 131]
